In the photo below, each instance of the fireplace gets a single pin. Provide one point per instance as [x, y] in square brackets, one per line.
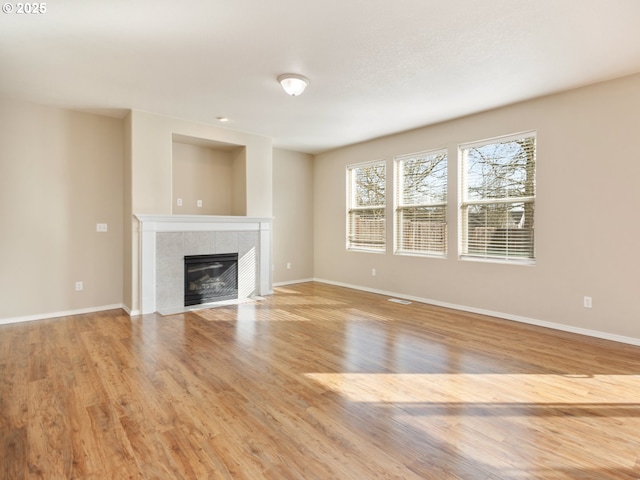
[210, 278]
[166, 239]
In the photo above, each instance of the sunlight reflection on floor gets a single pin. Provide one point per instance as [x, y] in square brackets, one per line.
[465, 388]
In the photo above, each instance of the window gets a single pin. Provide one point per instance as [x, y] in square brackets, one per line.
[498, 198]
[366, 199]
[421, 203]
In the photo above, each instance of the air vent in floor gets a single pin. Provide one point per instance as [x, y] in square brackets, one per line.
[399, 300]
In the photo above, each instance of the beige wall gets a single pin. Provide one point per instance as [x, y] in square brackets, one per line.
[61, 172]
[239, 185]
[152, 162]
[205, 174]
[293, 216]
[127, 280]
[152, 176]
[586, 230]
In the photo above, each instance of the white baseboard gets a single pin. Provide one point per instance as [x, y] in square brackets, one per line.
[505, 316]
[45, 316]
[131, 313]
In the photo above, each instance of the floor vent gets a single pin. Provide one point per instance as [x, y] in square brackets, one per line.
[399, 300]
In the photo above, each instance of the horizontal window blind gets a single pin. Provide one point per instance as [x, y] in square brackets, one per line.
[366, 206]
[498, 198]
[421, 203]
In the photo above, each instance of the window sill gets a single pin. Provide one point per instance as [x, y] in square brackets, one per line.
[527, 262]
[365, 250]
[404, 253]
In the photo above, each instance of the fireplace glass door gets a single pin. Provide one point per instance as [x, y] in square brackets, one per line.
[210, 278]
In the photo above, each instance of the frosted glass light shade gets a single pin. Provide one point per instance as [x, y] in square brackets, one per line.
[293, 84]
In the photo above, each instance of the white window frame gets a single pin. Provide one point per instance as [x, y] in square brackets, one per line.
[377, 243]
[465, 202]
[417, 231]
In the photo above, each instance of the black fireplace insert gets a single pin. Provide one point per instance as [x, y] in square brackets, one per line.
[210, 278]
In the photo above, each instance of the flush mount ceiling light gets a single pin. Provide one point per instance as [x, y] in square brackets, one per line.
[293, 83]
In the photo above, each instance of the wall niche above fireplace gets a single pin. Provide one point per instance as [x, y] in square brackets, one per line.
[208, 177]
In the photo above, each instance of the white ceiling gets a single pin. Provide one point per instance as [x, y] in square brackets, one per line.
[376, 66]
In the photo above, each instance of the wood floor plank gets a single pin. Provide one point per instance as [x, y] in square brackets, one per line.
[315, 382]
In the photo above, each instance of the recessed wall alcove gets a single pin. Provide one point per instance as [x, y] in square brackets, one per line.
[208, 177]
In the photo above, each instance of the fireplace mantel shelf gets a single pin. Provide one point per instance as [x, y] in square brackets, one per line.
[173, 223]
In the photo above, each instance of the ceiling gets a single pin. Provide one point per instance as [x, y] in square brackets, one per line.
[376, 67]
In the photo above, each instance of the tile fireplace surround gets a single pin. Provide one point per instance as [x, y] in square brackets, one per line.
[166, 239]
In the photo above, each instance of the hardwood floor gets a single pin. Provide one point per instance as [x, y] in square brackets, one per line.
[315, 382]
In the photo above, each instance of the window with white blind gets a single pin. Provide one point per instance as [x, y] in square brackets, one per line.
[366, 206]
[421, 203]
[498, 192]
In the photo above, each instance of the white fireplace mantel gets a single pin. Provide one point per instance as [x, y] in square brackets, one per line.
[151, 225]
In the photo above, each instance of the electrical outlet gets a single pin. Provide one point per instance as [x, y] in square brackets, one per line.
[587, 302]
[373, 272]
[101, 227]
[199, 203]
[79, 286]
[179, 202]
[288, 265]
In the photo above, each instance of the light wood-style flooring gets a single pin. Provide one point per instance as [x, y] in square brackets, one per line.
[314, 382]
